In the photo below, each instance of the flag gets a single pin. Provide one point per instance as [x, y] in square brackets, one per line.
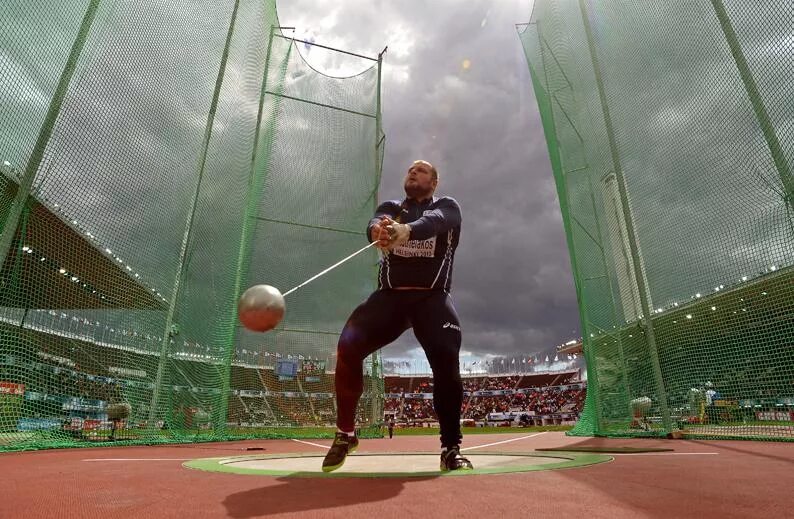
[514, 361]
[547, 358]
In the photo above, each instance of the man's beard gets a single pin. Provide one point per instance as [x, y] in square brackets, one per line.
[416, 192]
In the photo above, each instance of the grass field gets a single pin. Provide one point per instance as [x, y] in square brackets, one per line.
[36, 440]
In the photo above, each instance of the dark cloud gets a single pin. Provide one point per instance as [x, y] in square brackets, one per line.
[457, 93]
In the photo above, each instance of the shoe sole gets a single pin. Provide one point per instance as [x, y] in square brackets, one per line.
[331, 468]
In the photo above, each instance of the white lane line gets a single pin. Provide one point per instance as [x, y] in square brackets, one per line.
[503, 441]
[661, 453]
[138, 459]
[310, 443]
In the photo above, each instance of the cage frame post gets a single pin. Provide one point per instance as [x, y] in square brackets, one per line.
[377, 361]
[253, 193]
[646, 321]
[170, 330]
[753, 93]
[9, 227]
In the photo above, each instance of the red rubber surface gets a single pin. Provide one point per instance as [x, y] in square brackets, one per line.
[743, 479]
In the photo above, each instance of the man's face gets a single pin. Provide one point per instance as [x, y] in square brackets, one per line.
[419, 182]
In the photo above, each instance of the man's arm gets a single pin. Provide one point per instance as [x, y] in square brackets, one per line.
[387, 210]
[439, 220]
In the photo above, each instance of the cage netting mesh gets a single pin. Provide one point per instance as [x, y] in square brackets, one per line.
[670, 132]
[158, 158]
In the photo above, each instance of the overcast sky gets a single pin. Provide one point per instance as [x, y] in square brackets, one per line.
[457, 92]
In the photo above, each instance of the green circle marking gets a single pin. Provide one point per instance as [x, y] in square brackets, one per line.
[566, 460]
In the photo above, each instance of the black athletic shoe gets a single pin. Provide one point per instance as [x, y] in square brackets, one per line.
[342, 446]
[452, 460]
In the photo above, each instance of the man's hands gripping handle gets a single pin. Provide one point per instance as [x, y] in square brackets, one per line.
[389, 234]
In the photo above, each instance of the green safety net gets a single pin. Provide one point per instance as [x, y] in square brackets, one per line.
[158, 158]
[669, 129]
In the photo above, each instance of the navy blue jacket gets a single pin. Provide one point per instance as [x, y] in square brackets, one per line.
[426, 259]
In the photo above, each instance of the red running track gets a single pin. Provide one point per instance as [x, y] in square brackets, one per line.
[720, 479]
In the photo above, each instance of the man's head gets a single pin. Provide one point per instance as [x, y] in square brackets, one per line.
[421, 180]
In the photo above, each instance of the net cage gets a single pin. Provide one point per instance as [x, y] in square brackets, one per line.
[669, 130]
[159, 157]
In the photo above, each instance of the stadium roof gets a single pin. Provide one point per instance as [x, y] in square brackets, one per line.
[717, 308]
[571, 347]
[58, 266]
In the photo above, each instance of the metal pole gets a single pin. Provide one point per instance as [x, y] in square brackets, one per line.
[624, 370]
[377, 380]
[646, 319]
[248, 221]
[168, 332]
[768, 129]
[562, 189]
[325, 46]
[45, 132]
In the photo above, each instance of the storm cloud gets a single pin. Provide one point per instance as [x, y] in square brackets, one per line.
[456, 92]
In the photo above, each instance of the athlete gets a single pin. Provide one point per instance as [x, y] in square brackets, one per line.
[417, 237]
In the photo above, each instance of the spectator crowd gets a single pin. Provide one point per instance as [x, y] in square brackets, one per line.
[410, 398]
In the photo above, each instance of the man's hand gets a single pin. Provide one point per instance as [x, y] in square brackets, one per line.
[399, 233]
[380, 234]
